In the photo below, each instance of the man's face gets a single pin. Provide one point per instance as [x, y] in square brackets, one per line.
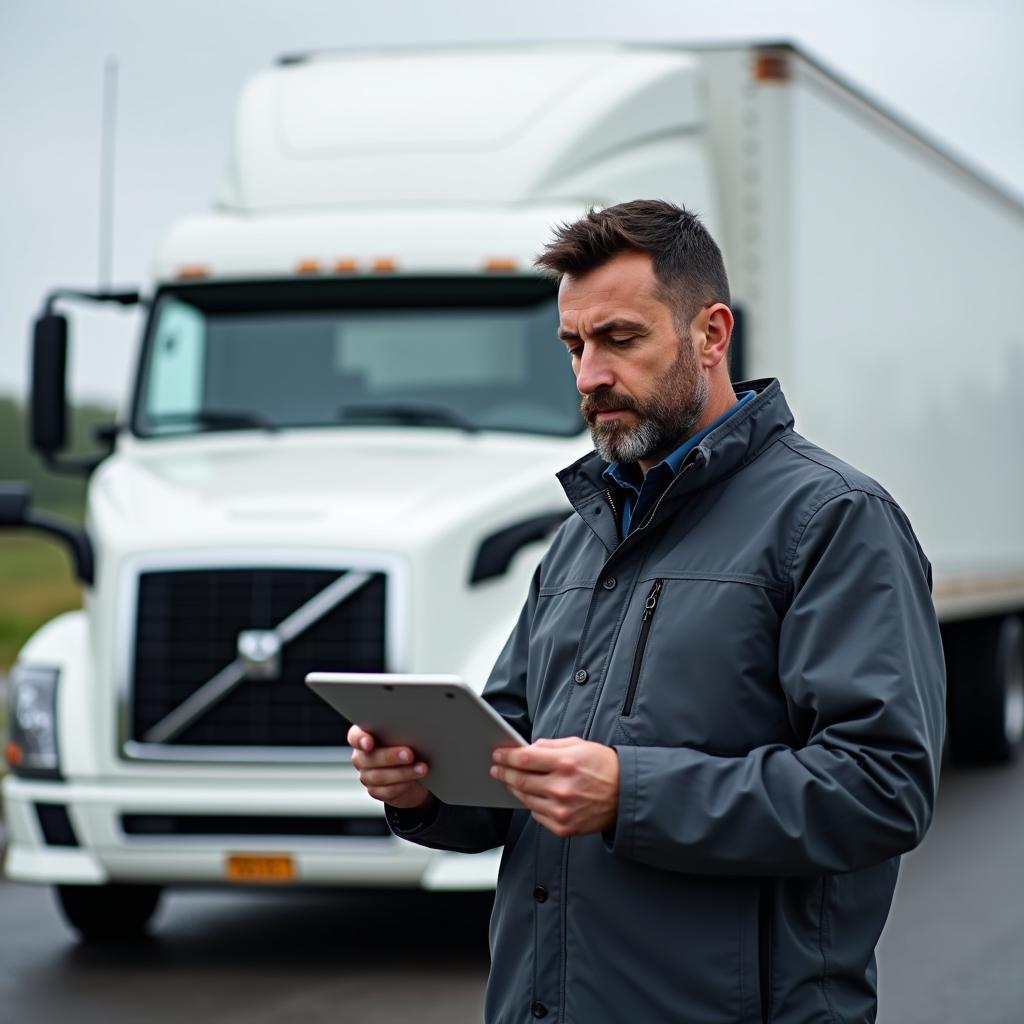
[643, 390]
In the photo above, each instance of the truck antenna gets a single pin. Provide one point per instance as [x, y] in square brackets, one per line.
[106, 232]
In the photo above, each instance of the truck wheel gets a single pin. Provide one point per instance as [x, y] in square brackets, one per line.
[985, 670]
[108, 913]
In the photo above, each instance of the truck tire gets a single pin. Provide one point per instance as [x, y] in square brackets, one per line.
[985, 677]
[108, 913]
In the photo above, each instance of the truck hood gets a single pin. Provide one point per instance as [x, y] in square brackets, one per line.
[367, 484]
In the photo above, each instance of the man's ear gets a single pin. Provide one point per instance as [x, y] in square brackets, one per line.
[714, 326]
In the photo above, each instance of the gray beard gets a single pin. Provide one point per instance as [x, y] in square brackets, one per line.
[664, 422]
[626, 444]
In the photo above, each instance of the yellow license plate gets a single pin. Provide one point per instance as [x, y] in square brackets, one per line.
[278, 867]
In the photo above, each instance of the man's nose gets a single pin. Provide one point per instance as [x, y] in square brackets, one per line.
[594, 372]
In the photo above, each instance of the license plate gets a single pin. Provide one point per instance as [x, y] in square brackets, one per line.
[276, 867]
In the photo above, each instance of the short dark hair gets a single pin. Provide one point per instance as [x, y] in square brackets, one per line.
[687, 261]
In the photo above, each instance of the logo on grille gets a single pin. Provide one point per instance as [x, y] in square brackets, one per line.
[260, 653]
[258, 656]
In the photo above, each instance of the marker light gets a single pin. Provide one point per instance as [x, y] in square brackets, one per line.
[771, 67]
[499, 264]
[308, 267]
[345, 266]
[384, 264]
[192, 271]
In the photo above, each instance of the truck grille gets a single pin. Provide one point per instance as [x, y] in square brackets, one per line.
[187, 629]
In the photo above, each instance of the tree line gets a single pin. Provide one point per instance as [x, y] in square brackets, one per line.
[20, 462]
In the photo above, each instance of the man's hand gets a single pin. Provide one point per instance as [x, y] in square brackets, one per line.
[390, 774]
[571, 785]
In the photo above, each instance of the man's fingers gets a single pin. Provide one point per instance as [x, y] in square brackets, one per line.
[526, 782]
[535, 783]
[562, 741]
[533, 802]
[389, 774]
[392, 776]
[552, 816]
[534, 758]
[360, 739]
[382, 757]
[555, 817]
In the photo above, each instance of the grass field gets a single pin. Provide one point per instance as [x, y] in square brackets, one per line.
[37, 582]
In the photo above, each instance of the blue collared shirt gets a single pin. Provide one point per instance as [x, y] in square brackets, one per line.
[640, 492]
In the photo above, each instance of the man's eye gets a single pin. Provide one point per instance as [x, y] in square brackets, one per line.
[622, 341]
[575, 352]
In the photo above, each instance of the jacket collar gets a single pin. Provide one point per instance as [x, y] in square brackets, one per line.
[729, 447]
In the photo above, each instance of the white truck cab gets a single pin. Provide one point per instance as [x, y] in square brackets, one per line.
[348, 410]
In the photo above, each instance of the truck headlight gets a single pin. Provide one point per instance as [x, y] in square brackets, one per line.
[32, 721]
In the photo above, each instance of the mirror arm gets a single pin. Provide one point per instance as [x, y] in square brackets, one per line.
[16, 511]
[125, 298]
[106, 434]
[77, 465]
[73, 535]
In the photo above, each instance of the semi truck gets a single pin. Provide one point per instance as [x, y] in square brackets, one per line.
[348, 407]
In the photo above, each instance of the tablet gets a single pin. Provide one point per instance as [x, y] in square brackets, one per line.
[442, 718]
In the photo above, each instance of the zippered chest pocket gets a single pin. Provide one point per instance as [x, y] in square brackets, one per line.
[650, 607]
[696, 665]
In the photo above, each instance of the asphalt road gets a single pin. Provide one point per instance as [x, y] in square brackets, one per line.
[265, 958]
[953, 950]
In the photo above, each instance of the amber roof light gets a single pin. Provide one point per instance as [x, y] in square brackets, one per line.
[498, 264]
[771, 67]
[192, 271]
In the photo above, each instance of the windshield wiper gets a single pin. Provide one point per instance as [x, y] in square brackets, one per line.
[216, 419]
[406, 413]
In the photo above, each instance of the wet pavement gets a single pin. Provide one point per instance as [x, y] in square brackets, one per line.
[952, 952]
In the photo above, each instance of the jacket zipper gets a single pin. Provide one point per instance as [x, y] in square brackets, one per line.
[645, 627]
[764, 947]
[696, 455]
[608, 497]
[611, 503]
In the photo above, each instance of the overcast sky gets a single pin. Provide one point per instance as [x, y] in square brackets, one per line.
[950, 66]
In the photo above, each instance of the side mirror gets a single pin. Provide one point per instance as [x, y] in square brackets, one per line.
[48, 403]
[48, 399]
[15, 500]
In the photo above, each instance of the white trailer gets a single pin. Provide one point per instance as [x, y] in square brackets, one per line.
[349, 407]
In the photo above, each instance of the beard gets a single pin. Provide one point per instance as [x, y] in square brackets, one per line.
[665, 418]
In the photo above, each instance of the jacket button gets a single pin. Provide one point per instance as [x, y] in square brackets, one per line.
[582, 675]
[540, 894]
[609, 583]
[539, 1010]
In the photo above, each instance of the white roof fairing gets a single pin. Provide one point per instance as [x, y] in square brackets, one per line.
[484, 126]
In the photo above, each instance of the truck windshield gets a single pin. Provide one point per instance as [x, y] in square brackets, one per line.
[457, 353]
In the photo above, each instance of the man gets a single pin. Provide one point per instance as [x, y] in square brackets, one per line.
[730, 668]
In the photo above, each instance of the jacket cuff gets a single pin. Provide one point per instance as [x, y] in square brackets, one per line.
[405, 821]
[619, 838]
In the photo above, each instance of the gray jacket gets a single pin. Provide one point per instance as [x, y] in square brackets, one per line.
[763, 654]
